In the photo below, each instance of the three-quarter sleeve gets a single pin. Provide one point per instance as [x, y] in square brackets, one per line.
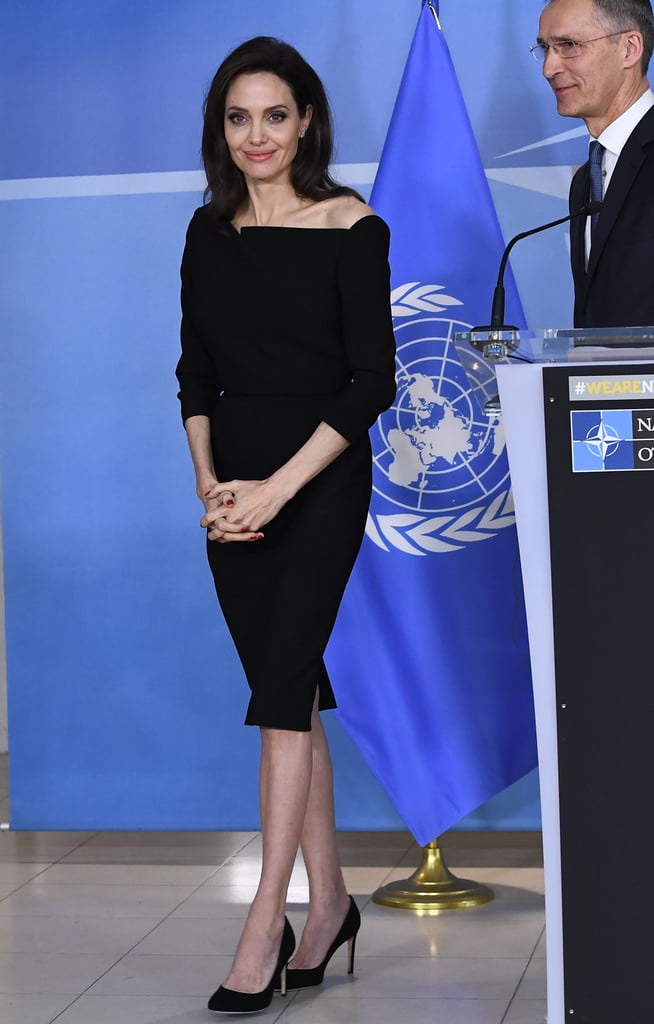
[196, 372]
[363, 278]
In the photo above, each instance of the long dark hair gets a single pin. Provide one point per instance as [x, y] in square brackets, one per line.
[226, 190]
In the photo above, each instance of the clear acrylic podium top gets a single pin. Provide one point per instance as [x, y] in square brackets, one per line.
[482, 349]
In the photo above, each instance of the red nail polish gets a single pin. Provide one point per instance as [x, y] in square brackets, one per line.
[244, 529]
[207, 493]
[229, 501]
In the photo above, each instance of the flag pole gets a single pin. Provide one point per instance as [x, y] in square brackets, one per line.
[432, 887]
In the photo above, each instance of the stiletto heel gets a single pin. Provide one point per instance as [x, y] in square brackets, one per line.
[227, 1000]
[304, 978]
[351, 943]
[281, 983]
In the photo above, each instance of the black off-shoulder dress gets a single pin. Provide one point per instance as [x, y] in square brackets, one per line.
[283, 328]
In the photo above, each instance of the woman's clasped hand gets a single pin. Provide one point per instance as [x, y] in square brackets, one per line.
[237, 510]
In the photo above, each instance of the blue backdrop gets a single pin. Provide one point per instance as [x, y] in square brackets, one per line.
[125, 696]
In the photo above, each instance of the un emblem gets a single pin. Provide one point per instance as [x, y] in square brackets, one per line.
[441, 476]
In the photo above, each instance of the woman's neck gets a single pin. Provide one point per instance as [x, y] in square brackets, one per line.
[270, 205]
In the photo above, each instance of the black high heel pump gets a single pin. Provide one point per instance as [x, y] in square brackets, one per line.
[227, 1000]
[297, 978]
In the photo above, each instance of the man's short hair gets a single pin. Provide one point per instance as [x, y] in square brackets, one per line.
[623, 15]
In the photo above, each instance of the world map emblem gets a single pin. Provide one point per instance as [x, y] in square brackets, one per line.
[441, 474]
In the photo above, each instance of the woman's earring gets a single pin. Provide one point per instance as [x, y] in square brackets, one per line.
[301, 135]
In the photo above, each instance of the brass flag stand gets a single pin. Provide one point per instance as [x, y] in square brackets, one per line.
[433, 887]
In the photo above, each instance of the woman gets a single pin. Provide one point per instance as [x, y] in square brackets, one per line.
[287, 360]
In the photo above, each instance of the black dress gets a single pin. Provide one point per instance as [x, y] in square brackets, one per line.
[283, 328]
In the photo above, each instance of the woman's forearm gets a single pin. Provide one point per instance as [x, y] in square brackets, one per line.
[324, 445]
[198, 432]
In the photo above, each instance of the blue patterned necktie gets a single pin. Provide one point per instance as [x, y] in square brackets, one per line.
[595, 153]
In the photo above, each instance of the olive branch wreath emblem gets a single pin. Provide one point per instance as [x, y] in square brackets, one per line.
[422, 535]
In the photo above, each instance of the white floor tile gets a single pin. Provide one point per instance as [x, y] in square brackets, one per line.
[361, 880]
[7, 888]
[164, 975]
[426, 978]
[39, 847]
[126, 874]
[527, 1011]
[53, 973]
[232, 841]
[212, 848]
[112, 935]
[137, 1010]
[217, 901]
[246, 871]
[312, 1009]
[95, 900]
[32, 1009]
[533, 985]
[457, 934]
[381, 856]
[17, 874]
[194, 937]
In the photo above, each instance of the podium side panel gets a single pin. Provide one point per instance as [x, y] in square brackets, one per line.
[599, 424]
[521, 399]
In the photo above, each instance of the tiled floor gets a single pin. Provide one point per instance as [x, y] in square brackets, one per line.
[138, 928]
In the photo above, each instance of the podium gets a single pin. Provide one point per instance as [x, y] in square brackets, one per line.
[578, 414]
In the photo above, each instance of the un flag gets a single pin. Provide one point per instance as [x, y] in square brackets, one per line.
[430, 658]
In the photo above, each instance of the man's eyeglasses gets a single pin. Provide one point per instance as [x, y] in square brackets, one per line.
[569, 48]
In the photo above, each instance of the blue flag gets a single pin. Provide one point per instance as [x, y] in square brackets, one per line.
[429, 658]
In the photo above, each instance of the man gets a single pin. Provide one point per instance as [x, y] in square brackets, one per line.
[596, 54]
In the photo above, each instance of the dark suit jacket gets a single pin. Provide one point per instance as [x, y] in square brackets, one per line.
[618, 288]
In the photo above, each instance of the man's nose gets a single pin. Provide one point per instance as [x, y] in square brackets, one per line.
[552, 64]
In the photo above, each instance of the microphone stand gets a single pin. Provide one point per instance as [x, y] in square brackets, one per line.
[497, 312]
[494, 346]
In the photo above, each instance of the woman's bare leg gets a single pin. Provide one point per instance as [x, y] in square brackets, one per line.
[284, 783]
[328, 898]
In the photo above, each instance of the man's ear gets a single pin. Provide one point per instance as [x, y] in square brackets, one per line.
[633, 44]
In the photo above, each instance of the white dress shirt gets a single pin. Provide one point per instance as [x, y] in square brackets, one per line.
[613, 138]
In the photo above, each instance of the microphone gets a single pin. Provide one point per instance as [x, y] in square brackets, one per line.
[497, 312]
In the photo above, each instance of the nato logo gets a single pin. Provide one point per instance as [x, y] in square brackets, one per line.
[612, 439]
